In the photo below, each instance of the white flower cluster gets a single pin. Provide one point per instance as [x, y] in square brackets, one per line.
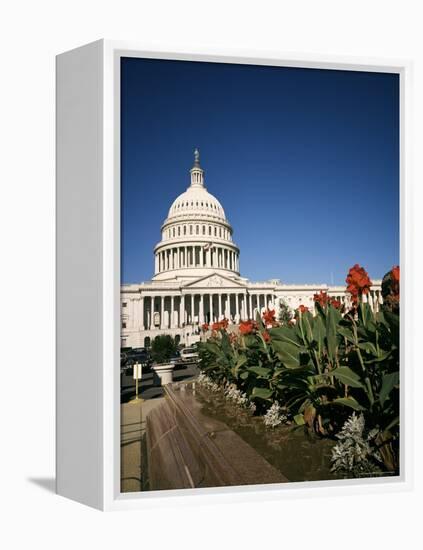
[274, 416]
[230, 391]
[207, 382]
[352, 455]
[237, 397]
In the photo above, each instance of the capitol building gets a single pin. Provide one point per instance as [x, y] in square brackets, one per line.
[197, 276]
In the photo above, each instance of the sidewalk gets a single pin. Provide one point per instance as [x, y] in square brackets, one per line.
[133, 422]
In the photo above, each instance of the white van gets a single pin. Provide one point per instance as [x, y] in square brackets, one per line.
[189, 355]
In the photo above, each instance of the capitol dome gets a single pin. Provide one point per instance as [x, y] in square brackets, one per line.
[196, 236]
[196, 202]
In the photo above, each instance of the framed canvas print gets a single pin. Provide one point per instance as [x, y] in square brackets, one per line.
[231, 253]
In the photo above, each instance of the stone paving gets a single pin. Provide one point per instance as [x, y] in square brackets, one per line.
[133, 422]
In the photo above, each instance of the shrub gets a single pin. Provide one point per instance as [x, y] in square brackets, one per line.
[353, 454]
[163, 348]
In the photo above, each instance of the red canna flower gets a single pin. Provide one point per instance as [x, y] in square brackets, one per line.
[302, 308]
[395, 286]
[395, 272]
[336, 303]
[224, 323]
[266, 336]
[358, 283]
[247, 327]
[220, 325]
[322, 298]
[269, 317]
[205, 327]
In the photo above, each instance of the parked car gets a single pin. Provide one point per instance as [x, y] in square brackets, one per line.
[132, 356]
[176, 359]
[189, 355]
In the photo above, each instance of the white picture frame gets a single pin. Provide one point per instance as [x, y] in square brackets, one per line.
[88, 278]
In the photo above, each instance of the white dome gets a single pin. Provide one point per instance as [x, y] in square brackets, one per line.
[196, 202]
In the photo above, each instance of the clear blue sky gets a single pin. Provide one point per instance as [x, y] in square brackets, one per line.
[305, 163]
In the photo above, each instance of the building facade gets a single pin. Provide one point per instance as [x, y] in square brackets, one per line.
[197, 276]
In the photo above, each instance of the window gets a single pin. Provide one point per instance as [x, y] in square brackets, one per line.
[197, 230]
[179, 231]
[185, 229]
[123, 325]
[124, 304]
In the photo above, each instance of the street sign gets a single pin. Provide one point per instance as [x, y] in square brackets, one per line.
[137, 371]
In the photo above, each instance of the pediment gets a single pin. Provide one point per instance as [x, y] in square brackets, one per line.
[214, 281]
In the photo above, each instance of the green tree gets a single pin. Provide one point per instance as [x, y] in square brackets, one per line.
[284, 313]
[163, 348]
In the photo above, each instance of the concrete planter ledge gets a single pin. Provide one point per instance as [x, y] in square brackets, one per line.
[187, 449]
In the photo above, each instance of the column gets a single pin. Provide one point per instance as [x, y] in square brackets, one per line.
[219, 297]
[172, 315]
[142, 312]
[186, 256]
[208, 257]
[152, 313]
[192, 309]
[250, 299]
[182, 310]
[162, 301]
[211, 307]
[201, 310]
[244, 307]
[236, 304]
